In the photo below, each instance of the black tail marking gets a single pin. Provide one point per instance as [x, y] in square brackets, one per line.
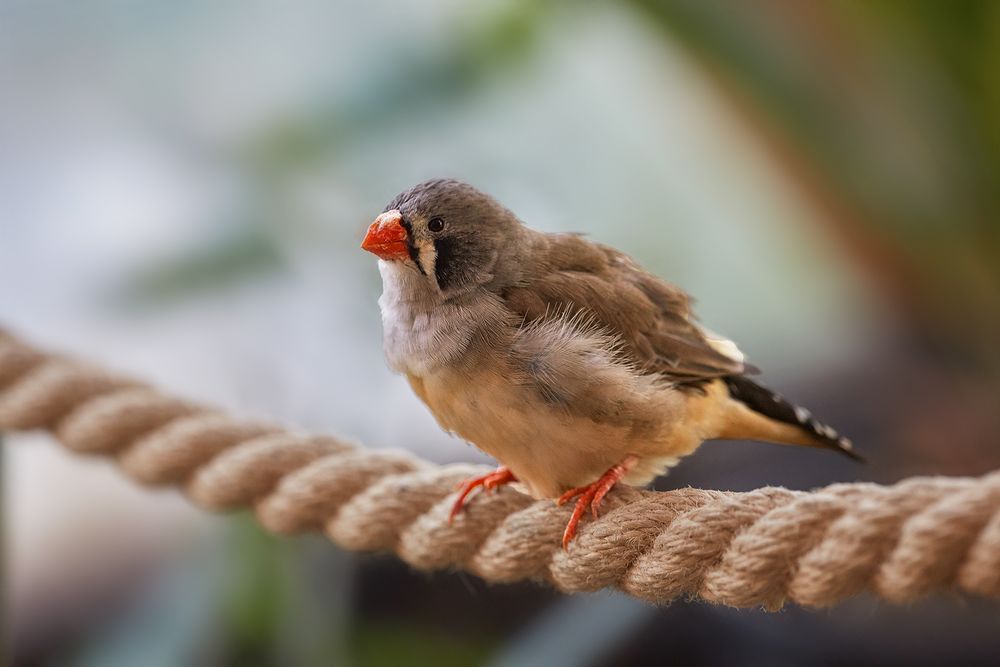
[766, 402]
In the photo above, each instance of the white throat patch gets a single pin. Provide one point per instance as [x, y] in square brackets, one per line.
[421, 331]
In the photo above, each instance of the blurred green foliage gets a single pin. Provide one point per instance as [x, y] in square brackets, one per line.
[246, 251]
[271, 615]
[888, 113]
[259, 587]
[486, 45]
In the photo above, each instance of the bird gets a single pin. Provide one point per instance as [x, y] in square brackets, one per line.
[560, 357]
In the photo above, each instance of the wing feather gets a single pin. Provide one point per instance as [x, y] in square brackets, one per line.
[651, 318]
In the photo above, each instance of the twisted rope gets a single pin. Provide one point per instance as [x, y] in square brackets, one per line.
[763, 547]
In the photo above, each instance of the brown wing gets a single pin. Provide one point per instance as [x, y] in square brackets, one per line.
[652, 317]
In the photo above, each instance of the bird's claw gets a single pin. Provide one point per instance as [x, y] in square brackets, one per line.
[592, 495]
[490, 482]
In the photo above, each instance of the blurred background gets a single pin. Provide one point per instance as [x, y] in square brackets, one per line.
[184, 185]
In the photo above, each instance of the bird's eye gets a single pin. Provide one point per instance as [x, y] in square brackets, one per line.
[435, 224]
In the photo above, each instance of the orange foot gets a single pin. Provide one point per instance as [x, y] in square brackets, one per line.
[592, 495]
[499, 477]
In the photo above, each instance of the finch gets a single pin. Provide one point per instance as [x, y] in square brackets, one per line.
[559, 357]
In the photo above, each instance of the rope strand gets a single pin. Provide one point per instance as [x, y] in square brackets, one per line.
[763, 547]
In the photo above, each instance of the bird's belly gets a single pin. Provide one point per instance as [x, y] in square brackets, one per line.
[548, 449]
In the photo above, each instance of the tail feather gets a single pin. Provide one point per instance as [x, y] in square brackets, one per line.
[771, 405]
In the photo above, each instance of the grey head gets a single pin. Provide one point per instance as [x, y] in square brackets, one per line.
[456, 237]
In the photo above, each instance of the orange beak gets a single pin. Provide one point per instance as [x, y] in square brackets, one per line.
[387, 237]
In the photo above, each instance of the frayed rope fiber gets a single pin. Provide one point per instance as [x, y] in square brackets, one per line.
[760, 548]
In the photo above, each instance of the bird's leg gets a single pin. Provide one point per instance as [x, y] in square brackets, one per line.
[498, 477]
[592, 495]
